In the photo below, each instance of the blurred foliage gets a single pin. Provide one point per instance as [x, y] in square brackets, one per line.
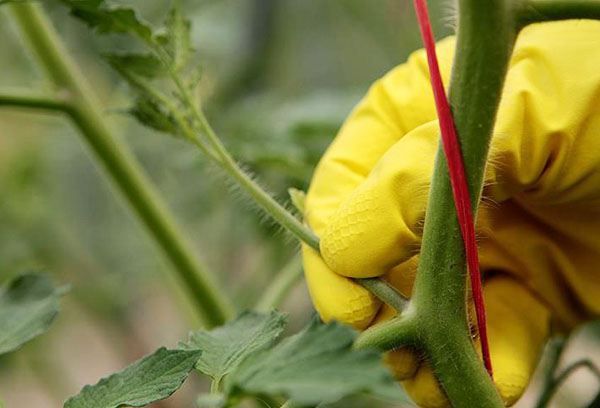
[278, 78]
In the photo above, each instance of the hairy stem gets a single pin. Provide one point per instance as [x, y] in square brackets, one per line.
[384, 291]
[485, 38]
[486, 35]
[227, 163]
[537, 11]
[379, 288]
[119, 162]
[388, 335]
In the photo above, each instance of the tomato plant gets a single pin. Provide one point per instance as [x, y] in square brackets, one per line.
[242, 354]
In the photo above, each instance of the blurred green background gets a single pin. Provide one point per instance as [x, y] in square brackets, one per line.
[279, 78]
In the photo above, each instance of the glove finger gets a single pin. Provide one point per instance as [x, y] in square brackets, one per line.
[518, 329]
[557, 260]
[403, 276]
[546, 159]
[518, 326]
[403, 362]
[378, 226]
[395, 104]
[337, 297]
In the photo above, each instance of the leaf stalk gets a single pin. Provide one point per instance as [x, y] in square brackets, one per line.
[118, 162]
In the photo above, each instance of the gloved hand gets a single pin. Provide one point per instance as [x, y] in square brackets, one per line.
[539, 221]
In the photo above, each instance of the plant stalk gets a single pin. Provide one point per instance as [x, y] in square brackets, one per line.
[486, 35]
[554, 383]
[227, 163]
[537, 11]
[119, 162]
[20, 99]
[391, 334]
[380, 288]
[556, 347]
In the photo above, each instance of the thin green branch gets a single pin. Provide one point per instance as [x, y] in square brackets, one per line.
[378, 287]
[391, 334]
[537, 11]
[555, 382]
[283, 282]
[265, 200]
[575, 366]
[26, 99]
[181, 121]
[595, 402]
[119, 162]
[385, 291]
[555, 348]
[485, 38]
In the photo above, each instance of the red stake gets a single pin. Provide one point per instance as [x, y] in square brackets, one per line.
[456, 168]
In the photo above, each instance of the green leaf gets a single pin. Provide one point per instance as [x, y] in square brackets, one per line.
[28, 306]
[130, 71]
[148, 109]
[110, 19]
[225, 347]
[145, 65]
[150, 113]
[177, 39]
[150, 379]
[317, 365]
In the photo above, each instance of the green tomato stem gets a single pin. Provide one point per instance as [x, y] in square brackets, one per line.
[537, 11]
[26, 99]
[229, 165]
[552, 380]
[384, 291]
[119, 162]
[378, 287]
[397, 332]
[486, 35]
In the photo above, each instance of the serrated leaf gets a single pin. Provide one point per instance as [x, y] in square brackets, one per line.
[317, 365]
[110, 19]
[149, 113]
[147, 108]
[149, 379]
[28, 306]
[138, 83]
[145, 65]
[177, 39]
[225, 347]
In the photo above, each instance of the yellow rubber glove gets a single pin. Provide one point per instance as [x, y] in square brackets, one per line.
[540, 218]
